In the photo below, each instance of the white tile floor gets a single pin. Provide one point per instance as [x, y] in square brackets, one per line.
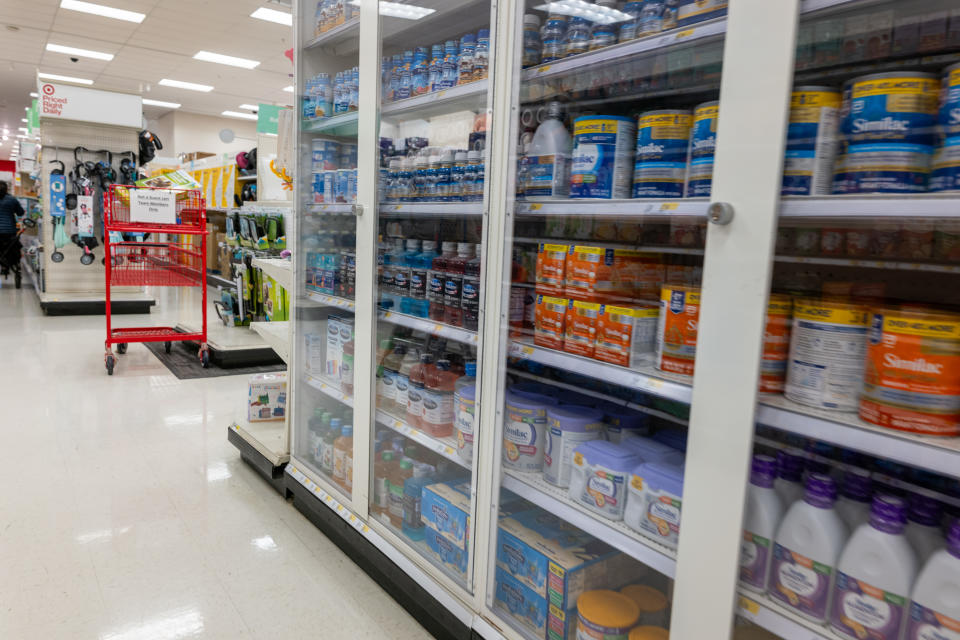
[126, 515]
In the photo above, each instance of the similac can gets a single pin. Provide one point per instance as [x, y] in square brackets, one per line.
[524, 430]
[703, 144]
[912, 378]
[581, 327]
[694, 11]
[945, 172]
[827, 346]
[663, 143]
[605, 615]
[677, 333]
[890, 132]
[776, 344]
[811, 141]
[550, 316]
[603, 150]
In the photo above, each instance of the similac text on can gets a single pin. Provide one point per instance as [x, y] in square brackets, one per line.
[703, 144]
[626, 336]
[551, 268]
[580, 329]
[677, 332]
[828, 343]
[550, 322]
[945, 171]
[663, 142]
[603, 151]
[776, 344]
[912, 377]
[811, 142]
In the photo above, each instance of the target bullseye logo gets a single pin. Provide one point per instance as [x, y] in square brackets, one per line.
[48, 89]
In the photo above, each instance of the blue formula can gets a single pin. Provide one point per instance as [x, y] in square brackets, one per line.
[945, 173]
[663, 143]
[694, 11]
[811, 142]
[890, 132]
[703, 145]
[602, 162]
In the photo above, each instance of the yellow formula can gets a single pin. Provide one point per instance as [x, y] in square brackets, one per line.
[649, 633]
[653, 604]
[605, 615]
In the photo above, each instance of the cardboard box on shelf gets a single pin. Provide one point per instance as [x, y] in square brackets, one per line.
[267, 397]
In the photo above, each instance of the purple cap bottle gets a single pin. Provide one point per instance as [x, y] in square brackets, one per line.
[888, 514]
[821, 491]
[789, 466]
[953, 539]
[925, 511]
[857, 485]
[763, 471]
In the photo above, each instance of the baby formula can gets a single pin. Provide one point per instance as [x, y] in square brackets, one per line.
[464, 406]
[890, 133]
[703, 143]
[677, 333]
[811, 141]
[945, 172]
[649, 632]
[602, 164]
[524, 431]
[653, 604]
[694, 11]
[827, 346]
[599, 477]
[605, 615]
[776, 344]
[568, 426]
[663, 143]
[912, 378]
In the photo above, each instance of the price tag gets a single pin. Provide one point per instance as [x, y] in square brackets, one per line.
[543, 69]
[449, 451]
[414, 433]
[352, 518]
[668, 206]
[536, 206]
[685, 34]
[527, 351]
[749, 606]
[365, 528]
[437, 328]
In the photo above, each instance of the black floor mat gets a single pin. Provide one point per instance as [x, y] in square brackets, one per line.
[182, 361]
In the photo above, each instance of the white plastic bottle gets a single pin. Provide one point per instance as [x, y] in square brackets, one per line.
[856, 491]
[764, 511]
[935, 610]
[923, 526]
[806, 549]
[875, 575]
[789, 482]
[547, 160]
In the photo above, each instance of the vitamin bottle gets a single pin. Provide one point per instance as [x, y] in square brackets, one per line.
[553, 38]
[763, 513]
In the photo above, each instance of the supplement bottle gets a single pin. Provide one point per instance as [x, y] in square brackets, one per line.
[763, 513]
[453, 285]
[553, 38]
[401, 473]
[327, 454]
[651, 18]
[531, 40]
[449, 72]
[470, 291]
[418, 190]
[437, 280]
[475, 161]
[406, 77]
[935, 610]
[923, 527]
[789, 482]
[853, 505]
[420, 73]
[875, 575]
[416, 380]
[437, 418]
[806, 550]
[629, 29]
[547, 161]
[431, 182]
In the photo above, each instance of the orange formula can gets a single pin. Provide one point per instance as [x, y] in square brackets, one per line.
[626, 336]
[677, 333]
[551, 263]
[550, 319]
[581, 327]
[776, 344]
[912, 377]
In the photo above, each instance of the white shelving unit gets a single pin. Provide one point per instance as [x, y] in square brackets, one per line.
[270, 439]
[275, 334]
[278, 269]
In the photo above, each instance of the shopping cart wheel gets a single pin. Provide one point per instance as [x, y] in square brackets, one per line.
[86, 259]
[205, 359]
[122, 347]
[167, 346]
[109, 360]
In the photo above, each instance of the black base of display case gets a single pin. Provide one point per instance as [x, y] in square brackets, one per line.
[94, 307]
[273, 475]
[411, 596]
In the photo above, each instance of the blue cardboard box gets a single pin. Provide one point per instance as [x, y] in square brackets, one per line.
[445, 508]
[521, 602]
[450, 555]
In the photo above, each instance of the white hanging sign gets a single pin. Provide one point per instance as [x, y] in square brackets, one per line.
[67, 102]
[153, 206]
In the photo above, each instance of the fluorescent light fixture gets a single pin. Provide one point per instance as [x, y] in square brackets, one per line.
[288, 89]
[219, 58]
[581, 9]
[83, 53]
[54, 76]
[272, 15]
[238, 114]
[23, 120]
[397, 10]
[24, 129]
[100, 10]
[161, 103]
[34, 94]
[6, 137]
[251, 107]
[185, 85]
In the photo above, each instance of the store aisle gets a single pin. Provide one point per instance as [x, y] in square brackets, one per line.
[126, 515]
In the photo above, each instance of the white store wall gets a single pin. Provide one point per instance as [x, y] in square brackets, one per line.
[183, 132]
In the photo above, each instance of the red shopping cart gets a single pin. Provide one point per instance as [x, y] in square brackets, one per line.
[132, 211]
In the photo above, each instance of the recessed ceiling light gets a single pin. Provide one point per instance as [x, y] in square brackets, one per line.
[33, 94]
[83, 53]
[596, 13]
[219, 58]
[100, 10]
[397, 10]
[23, 120]
[185, 85]
[272, 15]
[24, 129]
[251, 107]
[6, 137]
[288, 89]
[161, 103]
[54, 76]
[237, 114]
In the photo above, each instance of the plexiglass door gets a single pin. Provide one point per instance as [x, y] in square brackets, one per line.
[328, 104]
[432, 152]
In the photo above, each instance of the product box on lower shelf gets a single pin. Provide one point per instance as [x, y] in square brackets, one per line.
[267, 397]
[447, 553]
[445, 508]
[525, 606]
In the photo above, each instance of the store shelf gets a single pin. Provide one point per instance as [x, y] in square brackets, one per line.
[328, 387]
[268, 438]
[278, 269]
[343, 124]
[872, 264]
[429, 326]
[331, 301]
[432, 209]
[686, 208]
[465, 96]
[646, 379]
[247, 178]
[275, 334]
[941, 455]
[870, 208]
[680, 251]
[532, 487]
[30, 274]
[333, 208]
[446, 447]
[765, 613]
[349, 30]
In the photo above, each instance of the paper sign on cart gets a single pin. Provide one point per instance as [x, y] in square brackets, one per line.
[153, 206]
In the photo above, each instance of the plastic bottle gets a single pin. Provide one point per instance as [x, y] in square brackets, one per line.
[531, 40]
[418, 190]
[578, 36]
[923, 526]
[418, 381]
[406, 270]
[651, 18]
[453, 285]
[354, 95]
[470, 291]
[398, 282]
[806, 549]
[547, 161]
[469, 377]
[476, 170]
[445, 176]
[630, 29]
[402, 401]
[789, 482]
[468, 49]
[435, 70]
[387, 385]
[553, 38]
[401, 472]
[437, 280]
[316, 429]
[382, 469]
[763, 513]
[437, 418]
[853, 505]
[875, 575]
[458, 173]
[340, 454]
[935, 610]
[604, 34]
[412, 498]
[670, 8]
[346, 368]
[431, 183]
[406, 77]
[421, 75]
[449, 72]
[327, 447]
[481, 58]
[396, 66]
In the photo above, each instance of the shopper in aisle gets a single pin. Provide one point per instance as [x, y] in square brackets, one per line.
[10, 210]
